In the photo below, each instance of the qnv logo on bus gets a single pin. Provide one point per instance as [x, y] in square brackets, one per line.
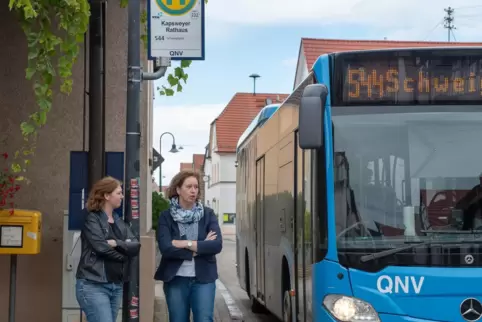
[176, 7]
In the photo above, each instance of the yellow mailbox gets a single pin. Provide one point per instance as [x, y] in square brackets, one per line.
[20, 233]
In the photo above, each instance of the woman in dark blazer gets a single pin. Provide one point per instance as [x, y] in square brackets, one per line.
[189, 238]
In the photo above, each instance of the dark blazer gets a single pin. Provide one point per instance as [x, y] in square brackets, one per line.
[96, 250]
[172, 257]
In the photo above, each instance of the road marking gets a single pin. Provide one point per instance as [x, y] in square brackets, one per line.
[234, 311]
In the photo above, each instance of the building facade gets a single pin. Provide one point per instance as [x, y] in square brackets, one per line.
[220, 156]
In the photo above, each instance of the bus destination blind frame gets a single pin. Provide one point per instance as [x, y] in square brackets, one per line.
[417, 77]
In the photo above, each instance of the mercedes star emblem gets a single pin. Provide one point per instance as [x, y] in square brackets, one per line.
[471, 309]
[469, 259]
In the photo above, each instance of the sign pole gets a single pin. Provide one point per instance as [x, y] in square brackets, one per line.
[13, 288]
[130, 303]
[175, 31]
[135, 75]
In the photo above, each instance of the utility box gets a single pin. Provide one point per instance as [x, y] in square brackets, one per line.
[20, 232]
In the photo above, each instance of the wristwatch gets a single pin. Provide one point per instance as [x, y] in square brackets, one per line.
[189, 243]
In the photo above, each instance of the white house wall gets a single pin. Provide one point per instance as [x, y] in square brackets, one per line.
[301, 68]
[208, 197]
[221, 190]
[227, 168]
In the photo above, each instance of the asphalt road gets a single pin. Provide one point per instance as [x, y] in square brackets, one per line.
[228, 276]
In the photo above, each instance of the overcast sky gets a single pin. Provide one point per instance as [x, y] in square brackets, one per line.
[253, 36]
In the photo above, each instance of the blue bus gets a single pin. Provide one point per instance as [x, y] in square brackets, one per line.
[358, 199]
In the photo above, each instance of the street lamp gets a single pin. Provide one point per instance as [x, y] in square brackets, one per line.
[254, 77]
[172, 150]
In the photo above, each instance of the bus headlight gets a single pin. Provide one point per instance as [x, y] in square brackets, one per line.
[350, 309]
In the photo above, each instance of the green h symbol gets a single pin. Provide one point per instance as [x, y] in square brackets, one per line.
[182, 2]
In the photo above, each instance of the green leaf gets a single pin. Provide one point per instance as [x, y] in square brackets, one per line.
[27, 128]
[179, 72]
[16, 168]
[185, 63]
[29, 73]
[40, 89]
[45, 105]
[179, 87]
[169, 92]
[42, 117]
[173, 81]
[33, 54]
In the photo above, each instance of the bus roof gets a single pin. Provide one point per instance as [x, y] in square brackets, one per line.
[259, 120]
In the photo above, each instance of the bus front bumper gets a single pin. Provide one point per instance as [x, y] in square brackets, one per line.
[326, 316]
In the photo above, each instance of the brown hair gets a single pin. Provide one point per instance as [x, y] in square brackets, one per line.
[104, 186]
[178, 181]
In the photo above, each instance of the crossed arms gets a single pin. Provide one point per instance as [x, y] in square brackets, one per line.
[179, 249]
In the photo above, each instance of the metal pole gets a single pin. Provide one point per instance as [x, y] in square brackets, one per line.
[13, 287]
[160, 152]
[131, 301]
[131, 298]
[96, 94]
[160, 165]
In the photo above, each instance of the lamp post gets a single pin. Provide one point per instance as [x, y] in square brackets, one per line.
[172, 150]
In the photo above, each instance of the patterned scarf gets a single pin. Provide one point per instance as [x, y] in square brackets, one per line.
[184, 216]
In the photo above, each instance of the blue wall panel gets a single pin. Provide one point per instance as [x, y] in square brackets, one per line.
[79, 178]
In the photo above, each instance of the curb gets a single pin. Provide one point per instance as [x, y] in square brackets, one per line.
[234, 312]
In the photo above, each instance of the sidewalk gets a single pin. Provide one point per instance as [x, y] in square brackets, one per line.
[230, 237]
[221, 311]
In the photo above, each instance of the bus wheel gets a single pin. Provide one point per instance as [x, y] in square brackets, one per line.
[287, 312]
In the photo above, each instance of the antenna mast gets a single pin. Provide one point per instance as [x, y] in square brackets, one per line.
[449, 19]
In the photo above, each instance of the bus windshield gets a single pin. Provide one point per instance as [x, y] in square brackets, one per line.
[409, 174]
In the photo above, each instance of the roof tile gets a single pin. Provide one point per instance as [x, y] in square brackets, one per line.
[313, 48]
[237, 115]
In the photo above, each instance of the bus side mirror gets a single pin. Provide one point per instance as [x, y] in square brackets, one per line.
[311, 112]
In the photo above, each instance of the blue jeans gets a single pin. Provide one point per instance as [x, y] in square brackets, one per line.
[99, 301]
[184, 294]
